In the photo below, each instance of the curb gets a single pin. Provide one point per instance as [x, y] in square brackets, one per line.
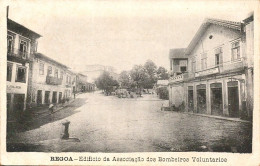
[219, 117]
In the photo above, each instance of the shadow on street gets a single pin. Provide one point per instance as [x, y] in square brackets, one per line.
[30, 124]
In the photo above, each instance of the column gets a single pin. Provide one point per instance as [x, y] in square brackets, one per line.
[208, 101]
[225, 97]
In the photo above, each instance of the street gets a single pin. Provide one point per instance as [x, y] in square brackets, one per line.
[111, 124]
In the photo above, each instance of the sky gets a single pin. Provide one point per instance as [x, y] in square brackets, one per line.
[118, 33]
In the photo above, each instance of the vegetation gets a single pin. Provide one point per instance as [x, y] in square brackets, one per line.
[106, 83]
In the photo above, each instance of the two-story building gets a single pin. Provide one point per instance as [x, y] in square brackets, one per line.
[215, 81]
[48, 82]
[21, 44]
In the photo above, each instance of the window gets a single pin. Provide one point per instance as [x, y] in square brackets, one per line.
[183, 69]
[235, 51]
[10, 44]
[183, 65]
[194, 65]
[23, 48]
[21, 74]
[49, 70]
[218, 56]
[9, 72]
[56, 74]
[41, 69]
[203, 61]
[61, 75]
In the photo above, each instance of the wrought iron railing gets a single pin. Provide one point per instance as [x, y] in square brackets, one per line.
[18, 54]
[53, 80]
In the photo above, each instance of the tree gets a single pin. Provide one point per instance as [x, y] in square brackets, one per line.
[151, 70]
[106, 82]
[125, 79]
[139, 76]
[162, 73]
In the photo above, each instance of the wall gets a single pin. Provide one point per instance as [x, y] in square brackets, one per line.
[222, 36]
[176, 96]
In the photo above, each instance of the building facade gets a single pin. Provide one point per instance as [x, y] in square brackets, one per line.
[50, 81]
[83, 85]
[21, 44]
[216, 80]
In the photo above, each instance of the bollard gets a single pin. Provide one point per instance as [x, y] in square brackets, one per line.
[66, 130]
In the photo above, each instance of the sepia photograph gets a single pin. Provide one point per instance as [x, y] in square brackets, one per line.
[129, 77]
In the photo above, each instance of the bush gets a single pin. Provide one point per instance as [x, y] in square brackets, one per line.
[163, 93]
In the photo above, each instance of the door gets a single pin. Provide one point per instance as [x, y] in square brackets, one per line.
[47, 97]
[233, 101]
[190, 100]
[54, 97]
[216, 101]
[60, 97]
[39, 97]
[18, 104]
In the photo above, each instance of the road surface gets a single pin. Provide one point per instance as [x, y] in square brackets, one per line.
[111, 124]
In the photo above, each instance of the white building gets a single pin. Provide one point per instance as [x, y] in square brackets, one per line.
[21, 44]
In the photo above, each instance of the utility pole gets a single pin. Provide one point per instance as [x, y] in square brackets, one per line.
[7, 11]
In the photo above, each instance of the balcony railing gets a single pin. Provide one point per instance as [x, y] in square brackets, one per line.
[176, 78]
[16, 53]
[209, 71]
[53, 80]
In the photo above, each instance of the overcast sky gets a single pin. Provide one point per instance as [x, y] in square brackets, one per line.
[116, 33]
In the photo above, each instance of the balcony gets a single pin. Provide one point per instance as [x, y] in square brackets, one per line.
[177, 78]
[206, 72]
[17, 56]
[53, 80]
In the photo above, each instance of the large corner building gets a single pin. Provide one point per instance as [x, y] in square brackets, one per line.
[214, 74]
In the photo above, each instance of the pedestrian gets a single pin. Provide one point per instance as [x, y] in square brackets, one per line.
[74, 95]
[51, 109]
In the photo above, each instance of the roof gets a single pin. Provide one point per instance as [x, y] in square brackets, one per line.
[42, 56]
[208, 21]
[20, 29]
[178, 53]
[162, 82]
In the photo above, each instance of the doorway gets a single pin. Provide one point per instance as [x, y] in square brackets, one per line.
[18, 104]
[233, 99]
[54, 97]
[190, 99]
[47, 97]
[60, 97]
[216, 99]
[39, 97]
[201, 99]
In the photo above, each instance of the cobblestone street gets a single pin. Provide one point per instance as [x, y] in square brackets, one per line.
[109, 124]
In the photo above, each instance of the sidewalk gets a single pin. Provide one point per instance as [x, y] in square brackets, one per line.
[40, 112]
[219, 117]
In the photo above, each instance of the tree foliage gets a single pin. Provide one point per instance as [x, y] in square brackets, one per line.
[162, 73]
[106, 82]
[142, 76]
[125, 79]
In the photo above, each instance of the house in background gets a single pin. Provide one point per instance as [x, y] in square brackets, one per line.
[21, 45]
[178, 67]
[94, 71]
[216, 81]
[83, 85]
